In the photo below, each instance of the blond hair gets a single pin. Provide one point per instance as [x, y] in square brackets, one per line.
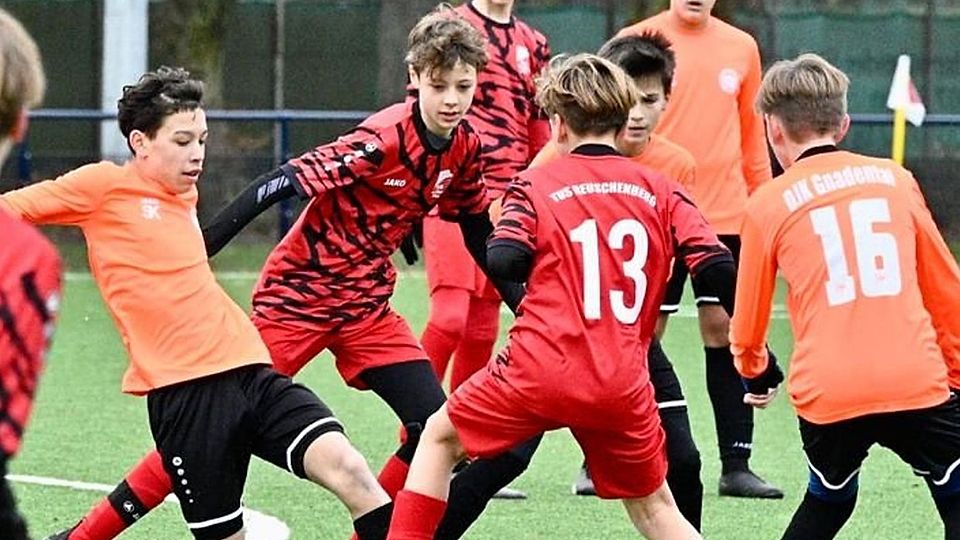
[593, 95]
[808, 94]
[442, 38]
[21, 72]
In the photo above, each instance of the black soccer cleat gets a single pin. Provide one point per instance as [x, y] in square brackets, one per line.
[748, 485]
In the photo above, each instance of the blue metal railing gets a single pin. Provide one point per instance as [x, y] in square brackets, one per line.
[280, 118]
[284, 117]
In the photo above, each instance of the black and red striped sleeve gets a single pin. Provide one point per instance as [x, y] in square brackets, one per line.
[349, 159]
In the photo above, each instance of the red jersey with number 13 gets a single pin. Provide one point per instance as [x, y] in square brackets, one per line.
[602, 231]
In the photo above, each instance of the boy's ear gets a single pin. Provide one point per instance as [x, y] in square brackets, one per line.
[137, 141]
[413, 75]
[19, 130]
[844, 127]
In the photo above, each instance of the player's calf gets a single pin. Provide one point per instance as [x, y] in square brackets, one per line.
[657, 517]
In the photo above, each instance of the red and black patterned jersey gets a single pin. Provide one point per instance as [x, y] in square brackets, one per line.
[367, 189]
[504, 108]
[602, 231]
[29, 297]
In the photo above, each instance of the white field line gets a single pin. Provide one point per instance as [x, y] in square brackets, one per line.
[259, 526]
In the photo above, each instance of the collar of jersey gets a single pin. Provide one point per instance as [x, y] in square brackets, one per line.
[473, 8]
[816, 150]
[422, 132]
[593, 149]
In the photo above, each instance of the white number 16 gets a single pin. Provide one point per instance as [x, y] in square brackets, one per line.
[878, 259]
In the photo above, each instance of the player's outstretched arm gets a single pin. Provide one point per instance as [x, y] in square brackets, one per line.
[267, 190]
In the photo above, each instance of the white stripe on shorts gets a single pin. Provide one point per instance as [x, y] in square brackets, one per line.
[303, 434]
[672, 404]
[707, 300]
[823, 479]
[216, 521]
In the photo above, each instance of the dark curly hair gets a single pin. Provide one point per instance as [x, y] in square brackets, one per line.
[443, 37]
[157, 95]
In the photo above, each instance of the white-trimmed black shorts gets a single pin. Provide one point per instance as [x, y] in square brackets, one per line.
[207, 429]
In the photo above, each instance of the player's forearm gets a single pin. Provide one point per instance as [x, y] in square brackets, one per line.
[267, 190]
[476, 228]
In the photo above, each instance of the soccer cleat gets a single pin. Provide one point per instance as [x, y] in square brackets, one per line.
[584, 484]
[510, 494]
[62, 535]
[748, 485]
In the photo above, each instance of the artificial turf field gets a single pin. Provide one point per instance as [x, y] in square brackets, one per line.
[84, 430]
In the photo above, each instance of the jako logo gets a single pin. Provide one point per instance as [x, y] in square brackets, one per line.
[395, 182]
[443, 180]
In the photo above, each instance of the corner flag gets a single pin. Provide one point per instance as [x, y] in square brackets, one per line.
[906, 104]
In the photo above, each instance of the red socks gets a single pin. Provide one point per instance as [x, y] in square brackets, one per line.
[439, 347]
[415, 516]
[393, 476]
[142, 490]
[474, 351]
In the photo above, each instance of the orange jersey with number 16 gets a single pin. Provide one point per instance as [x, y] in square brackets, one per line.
[874, 292]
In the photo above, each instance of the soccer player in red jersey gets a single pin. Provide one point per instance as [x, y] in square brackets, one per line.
[29, 270]
[327, 284]
[711, 115]
[592, 235]
[649, 61]
[464, 315]
[874, 297]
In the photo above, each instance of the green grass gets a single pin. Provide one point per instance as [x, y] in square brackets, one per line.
[84, 429]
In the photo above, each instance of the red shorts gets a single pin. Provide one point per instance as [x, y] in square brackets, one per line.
[627, 459]
[376, 341]
[448, 262]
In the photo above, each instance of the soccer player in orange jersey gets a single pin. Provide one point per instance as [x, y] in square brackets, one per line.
[711, 114]
[592, 234]
[213, 400]
[874, 298]
[29, 270]
[648, 60]
[327, 285]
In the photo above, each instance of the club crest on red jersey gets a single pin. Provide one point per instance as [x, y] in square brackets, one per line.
[443, 180]
[523, 60]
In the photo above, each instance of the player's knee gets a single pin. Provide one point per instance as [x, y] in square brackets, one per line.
[714, 326]
[449, 318]
[833, 493]
[440, 433]
[684, 461]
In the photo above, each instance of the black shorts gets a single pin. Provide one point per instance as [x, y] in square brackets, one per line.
[207, 429]
[705, 296]
[926, 439]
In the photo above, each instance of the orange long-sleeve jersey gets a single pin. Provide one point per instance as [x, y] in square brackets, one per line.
[660, 154]
[147, 256]
[712, 115]
[874, 292]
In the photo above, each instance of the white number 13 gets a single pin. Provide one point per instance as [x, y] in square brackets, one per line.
[878, 260]
[587, 235]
